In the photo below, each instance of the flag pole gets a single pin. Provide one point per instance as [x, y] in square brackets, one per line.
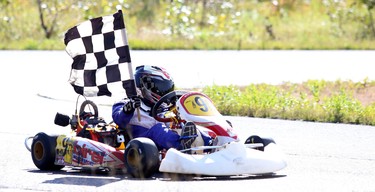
[131, 75]
[130, 67]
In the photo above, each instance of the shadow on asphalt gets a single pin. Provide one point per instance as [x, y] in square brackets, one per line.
[73, 176]
[185, 177]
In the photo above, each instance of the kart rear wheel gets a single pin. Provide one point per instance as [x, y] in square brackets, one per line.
[43, 152]
[141, 157]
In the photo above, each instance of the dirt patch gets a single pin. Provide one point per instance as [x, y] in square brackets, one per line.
[365, 95]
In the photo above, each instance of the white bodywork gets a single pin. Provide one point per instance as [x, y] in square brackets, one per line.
[230, 156]
[234, 159]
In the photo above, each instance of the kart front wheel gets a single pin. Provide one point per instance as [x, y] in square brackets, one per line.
[43, 152]
[256, 139]
[141, 157]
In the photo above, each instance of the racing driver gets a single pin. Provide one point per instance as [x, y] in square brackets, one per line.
[153, 82]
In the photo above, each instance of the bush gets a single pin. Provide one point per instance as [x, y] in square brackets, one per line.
[319, 101]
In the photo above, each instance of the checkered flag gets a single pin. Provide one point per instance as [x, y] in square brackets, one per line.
[101, 57]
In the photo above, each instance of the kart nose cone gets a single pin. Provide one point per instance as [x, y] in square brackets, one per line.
[234, 159]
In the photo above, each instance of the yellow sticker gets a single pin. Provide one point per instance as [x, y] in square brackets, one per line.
[199, 105]
[64, 148]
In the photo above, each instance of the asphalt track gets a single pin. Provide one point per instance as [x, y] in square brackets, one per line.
[320, 156]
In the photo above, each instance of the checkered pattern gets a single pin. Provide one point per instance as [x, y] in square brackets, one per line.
[101, 57]
[147, 82]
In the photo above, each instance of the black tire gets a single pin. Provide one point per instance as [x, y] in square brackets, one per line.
[93, 105]
[267, 141]
[257, 139]
[43, 152]
[141, 157]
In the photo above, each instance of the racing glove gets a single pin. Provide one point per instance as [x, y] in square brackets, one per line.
[131, 104]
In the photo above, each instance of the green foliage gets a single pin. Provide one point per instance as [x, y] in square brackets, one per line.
[199, 24]
[370, 3]
[226, 98]
[315, 88]
[344, 15]
[343, 108]
[319, 101]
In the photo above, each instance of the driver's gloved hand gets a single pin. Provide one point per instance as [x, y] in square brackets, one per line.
[131, 104]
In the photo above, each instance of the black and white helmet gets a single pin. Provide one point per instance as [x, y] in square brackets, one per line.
[153, 82]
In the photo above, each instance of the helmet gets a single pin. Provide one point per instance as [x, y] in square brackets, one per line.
[153, 82]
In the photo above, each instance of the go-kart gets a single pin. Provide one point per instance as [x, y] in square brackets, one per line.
[96, 144]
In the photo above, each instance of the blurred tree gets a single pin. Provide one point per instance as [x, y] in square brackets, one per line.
[42, 7]
[189, 18]
[49, 11]
[370, 5]
[5, 18]
[143, 10]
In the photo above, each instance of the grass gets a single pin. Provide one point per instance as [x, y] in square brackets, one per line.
[314, 100]
[248, 25]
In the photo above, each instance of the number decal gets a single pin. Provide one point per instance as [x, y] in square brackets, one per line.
[201, 103]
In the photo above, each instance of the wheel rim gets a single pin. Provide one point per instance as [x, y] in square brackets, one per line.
[38, 150]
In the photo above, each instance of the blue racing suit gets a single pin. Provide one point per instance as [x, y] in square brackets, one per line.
[158, 132]
[163, 137]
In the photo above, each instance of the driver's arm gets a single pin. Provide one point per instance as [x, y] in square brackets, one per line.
[119, 116]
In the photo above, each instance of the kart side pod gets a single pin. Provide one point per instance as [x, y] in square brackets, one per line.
[55, 152]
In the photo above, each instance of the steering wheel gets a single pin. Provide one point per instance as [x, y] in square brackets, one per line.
[169, 100]
[90, 104]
